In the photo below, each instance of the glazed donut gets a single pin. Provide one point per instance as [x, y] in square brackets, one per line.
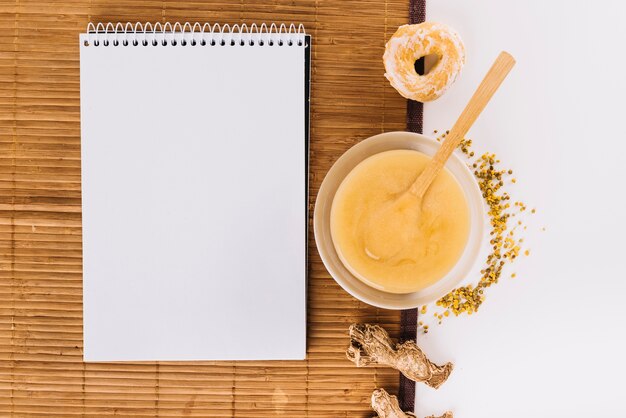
[411, 42]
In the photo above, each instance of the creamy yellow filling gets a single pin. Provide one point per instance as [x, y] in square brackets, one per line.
[390, 239]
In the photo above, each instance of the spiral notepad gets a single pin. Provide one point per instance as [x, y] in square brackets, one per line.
[194, 186]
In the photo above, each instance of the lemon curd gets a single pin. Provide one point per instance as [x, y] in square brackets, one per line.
[390, 239]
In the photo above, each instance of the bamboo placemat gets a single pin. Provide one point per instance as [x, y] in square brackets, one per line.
[41, 368]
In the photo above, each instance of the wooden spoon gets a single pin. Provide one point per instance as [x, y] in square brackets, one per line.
[402, 215]
[496, 75]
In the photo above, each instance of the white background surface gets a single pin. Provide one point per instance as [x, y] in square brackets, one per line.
[193, 222]
[551, 342]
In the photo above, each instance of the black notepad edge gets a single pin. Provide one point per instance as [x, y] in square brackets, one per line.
[307, 135]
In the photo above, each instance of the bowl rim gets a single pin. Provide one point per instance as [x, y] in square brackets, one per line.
[354, 286]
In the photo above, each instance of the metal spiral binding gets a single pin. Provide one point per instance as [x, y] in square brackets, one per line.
[196, 34]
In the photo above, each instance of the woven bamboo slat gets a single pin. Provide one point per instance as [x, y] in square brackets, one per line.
[41, 368]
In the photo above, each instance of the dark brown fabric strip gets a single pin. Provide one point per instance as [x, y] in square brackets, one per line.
[414, 123]
[415, 110]
[408, 330]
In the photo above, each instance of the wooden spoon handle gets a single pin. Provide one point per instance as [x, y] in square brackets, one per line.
[496, 75]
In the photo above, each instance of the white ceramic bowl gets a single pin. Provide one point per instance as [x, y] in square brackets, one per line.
[321, 221]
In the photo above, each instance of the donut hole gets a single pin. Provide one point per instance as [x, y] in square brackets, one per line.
[425, 64]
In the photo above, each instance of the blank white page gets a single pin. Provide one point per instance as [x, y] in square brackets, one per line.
[194, 201]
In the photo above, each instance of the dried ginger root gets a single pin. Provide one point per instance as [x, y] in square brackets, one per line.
[386, 406]
[370, 344]
[445, 415]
